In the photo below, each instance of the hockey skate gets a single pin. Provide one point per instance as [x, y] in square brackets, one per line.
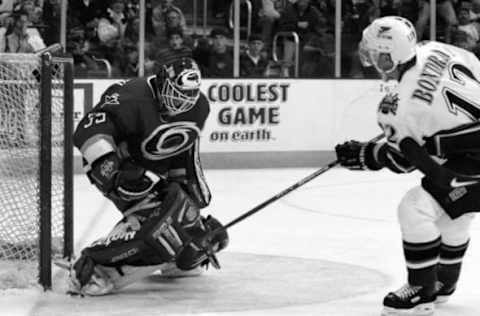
[106, 280]
[100, 283]
[409, 300]
[444, 292]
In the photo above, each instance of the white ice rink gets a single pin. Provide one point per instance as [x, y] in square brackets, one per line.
[330, 248]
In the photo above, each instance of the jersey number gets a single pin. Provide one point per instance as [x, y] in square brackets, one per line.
[95, 118]
[460, 73]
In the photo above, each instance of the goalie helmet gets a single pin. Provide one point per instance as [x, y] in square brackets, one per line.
[178, 85]
[386, 43]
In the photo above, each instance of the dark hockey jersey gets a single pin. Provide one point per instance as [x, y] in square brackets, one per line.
[128, 120]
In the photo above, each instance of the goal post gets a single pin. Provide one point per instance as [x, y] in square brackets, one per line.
[36, 166]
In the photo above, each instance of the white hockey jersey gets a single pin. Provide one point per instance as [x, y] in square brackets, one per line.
[439, 92]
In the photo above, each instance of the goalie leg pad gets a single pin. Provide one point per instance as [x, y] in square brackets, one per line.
[151, 237]
[166, 231]
[140, 241]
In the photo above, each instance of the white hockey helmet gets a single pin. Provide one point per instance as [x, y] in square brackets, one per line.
[386, 43]
[178, 84]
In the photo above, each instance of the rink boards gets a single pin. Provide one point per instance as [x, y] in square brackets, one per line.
[273, 123]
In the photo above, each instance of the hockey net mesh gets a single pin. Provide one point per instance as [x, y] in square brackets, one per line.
[20, 165]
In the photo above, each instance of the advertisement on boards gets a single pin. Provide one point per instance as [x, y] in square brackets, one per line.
[275, 115]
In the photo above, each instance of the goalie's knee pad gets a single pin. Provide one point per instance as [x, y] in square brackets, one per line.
[166, 228]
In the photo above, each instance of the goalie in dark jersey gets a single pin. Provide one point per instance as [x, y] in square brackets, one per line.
[140, 148]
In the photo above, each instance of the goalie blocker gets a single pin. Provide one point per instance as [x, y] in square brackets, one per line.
[172, 231]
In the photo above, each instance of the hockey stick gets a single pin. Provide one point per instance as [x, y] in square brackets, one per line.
[284, 192]
[208, 238]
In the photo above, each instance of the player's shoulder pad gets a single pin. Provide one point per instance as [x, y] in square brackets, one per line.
[127, 95]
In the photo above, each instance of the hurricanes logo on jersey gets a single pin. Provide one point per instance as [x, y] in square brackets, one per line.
[389, 104]
[169, 140]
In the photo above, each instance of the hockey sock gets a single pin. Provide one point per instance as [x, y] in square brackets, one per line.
[422, 262]
[450, 263]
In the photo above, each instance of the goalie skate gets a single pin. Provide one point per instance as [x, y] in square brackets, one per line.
[409, 300]
[106, 280]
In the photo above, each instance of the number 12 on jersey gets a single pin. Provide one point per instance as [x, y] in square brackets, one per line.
[461, 75]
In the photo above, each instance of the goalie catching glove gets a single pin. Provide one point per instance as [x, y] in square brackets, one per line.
[122, 180]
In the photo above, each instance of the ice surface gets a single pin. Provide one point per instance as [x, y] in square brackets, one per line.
[331, 248]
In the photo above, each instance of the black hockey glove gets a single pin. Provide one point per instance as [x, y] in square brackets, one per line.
[134, 182]
[124, 180]
[351, 154]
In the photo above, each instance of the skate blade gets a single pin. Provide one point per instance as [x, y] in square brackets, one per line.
[442, 299]
[170, 272]
[425, 309]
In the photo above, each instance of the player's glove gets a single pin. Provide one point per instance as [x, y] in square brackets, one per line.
[351, 154]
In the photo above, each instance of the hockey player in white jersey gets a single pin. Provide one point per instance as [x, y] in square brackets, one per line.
[431, 123]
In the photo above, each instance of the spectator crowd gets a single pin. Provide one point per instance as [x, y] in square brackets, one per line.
[103, 35]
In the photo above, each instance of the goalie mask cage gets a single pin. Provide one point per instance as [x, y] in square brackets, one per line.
[36, 166]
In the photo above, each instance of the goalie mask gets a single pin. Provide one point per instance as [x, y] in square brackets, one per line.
[178, 85]
[386, 43]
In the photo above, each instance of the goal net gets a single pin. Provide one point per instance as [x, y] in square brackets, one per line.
[35, 166]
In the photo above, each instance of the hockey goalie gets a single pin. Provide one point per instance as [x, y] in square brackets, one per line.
[140, 149]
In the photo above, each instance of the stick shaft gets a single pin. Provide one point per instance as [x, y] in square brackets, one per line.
[286, 191]
[282, 193]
